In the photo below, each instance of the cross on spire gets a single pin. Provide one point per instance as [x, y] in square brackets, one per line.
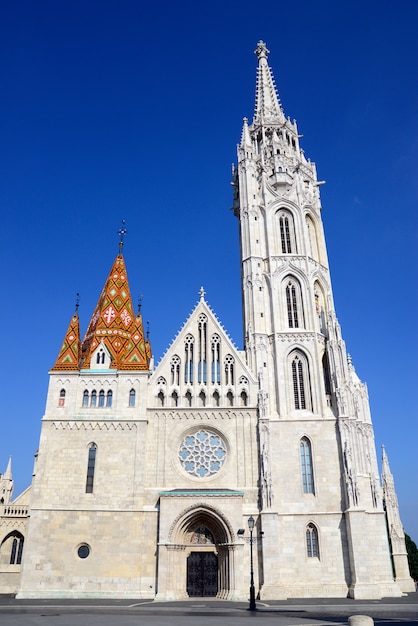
[202, 293]
[122, 232]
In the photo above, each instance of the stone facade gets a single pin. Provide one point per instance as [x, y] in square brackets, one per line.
[146, 476]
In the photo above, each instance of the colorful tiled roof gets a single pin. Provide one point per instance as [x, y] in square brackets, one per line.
[69, 355]
[114, 323]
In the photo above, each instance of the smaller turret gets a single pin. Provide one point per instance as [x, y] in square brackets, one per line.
[6, 484]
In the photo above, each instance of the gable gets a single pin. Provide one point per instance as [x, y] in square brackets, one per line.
[203, 367]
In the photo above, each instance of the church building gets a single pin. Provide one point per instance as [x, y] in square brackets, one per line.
[146, 476]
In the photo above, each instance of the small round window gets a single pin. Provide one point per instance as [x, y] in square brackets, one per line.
[83, 551]
[202, 453]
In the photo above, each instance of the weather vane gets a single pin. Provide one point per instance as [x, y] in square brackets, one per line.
[77, 302]
[122, 232]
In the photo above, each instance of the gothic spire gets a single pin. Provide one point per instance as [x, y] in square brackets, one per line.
[113, 324]
[267, 103]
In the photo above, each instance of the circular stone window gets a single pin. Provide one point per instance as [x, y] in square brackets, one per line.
[83, 551]
[202, 453]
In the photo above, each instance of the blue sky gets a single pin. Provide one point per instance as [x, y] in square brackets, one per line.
[127, 110]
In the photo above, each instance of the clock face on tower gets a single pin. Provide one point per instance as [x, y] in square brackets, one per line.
[202, 453]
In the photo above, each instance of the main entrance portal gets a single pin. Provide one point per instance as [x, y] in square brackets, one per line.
[202, 574]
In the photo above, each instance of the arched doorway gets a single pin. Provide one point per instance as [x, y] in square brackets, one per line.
[198, 557]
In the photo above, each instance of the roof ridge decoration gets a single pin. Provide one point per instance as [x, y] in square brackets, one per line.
[114, 323]
[69, 355]
[267, 102]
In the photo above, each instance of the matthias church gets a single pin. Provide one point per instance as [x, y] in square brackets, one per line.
[146, 475]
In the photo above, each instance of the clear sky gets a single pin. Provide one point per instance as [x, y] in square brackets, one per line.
[133, 110]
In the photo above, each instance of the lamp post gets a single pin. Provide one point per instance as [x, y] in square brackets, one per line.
[252, 606]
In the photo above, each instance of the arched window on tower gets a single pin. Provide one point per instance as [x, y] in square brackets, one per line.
[295, 316]
[160, 398]
[287, 232]
[91, 465]
[216, 357]
[61, 400]
[93, 398]
[188, 397]
[132, 395]
[312, 237]
[306, 465]
[101, 398]
[230, 398]
[202, 356]
[86, 398]
[188, 361]
[202, 398]
[216, 398]
[312, 547]
[174, 398]
[109, 398]
[300, 381]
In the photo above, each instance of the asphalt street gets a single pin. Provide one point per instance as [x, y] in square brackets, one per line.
[205, 612]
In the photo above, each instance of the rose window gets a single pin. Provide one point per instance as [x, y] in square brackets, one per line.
[202, 453]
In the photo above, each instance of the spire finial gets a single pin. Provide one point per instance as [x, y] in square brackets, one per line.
[202, 293]
[122, 232]
[261, 51]
[77, 302]
[139, 304]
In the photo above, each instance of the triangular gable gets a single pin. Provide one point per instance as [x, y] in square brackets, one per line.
[202, 362]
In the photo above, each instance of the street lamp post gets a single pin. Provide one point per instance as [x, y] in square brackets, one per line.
[252, 606]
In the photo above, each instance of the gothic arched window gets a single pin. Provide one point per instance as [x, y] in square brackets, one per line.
[306, 465]
[313, 239]
[244, 398]
[188, 361]
[202, 356]
[216, 398]
[175, 398]
[188, 398]
[160, 398]
[93, 398]
[15, 540]
[287, 232]
[61, 400]
[295, 316]
[230, 398]
[175, 370]
[109, 398]
[132, 395]
[86, 398]
[300, 381]
[312, 547]
[216, 357]
[101, 398]
[229, 369]
[91, 464]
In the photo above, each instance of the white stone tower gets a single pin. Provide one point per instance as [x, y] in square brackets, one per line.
[310, 395]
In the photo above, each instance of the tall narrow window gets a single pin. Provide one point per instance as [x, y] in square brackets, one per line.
[229, 370]
[216, 357]
[16, 549]
[202, 330]
[109, 398]
[160, 399]
[294, 304]
[90, 468]
[61, 400]
[101, 398]
[287, 232]
[132, 397]
[175, 370]
[230, 398]
[188, 362]
[216, 398]
[312, 548]
[174, 398]
[244, 398]
[86, 398]
[300, 380]
[327, 375]
[202, 398]
[93, 398]
[306, 465]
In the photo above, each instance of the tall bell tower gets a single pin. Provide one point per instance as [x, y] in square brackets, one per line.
[310, 397]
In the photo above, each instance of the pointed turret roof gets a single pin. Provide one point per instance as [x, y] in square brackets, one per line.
[267, 102]
[8, 473]
[69, 355]
[114, 324]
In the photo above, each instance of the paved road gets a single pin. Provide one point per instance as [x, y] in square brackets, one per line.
[323, 612]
